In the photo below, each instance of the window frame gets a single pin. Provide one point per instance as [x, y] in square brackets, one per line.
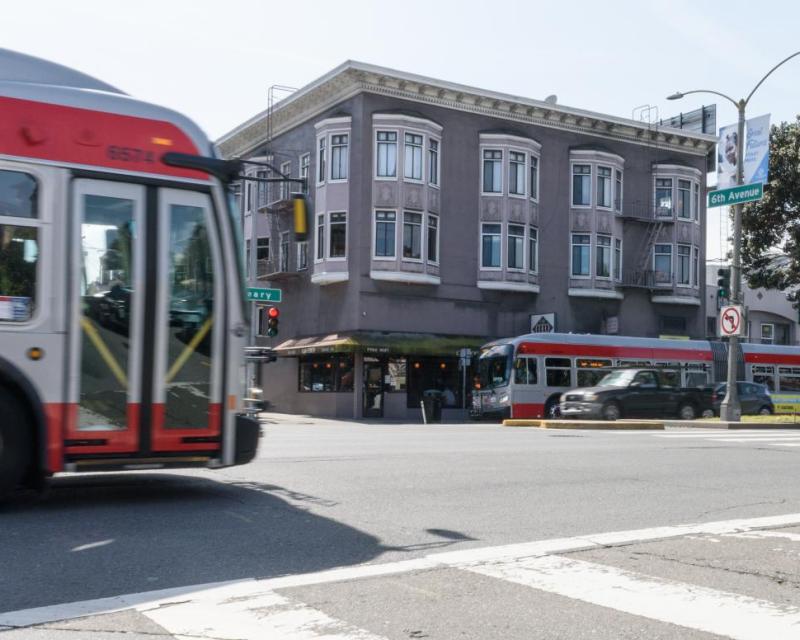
[671, 264]
[375, 223]
[619, 189]
[696, 201]
[617, 260]
[346, 146]
[437, 153]
[524, 172]
[533, 240]
[319, 242]
[771, 338]
[267, 247]
[303, 163]
[518, 237]
[376, 143]
[573, 244]
[606, 249]
[695, 267]
[40, 287]
[484, 160]
[683, 210]
[610, 186]
[421, 146]
[533, 170]
[284, 249]
[322, 153]
[428, 218]
[679, 267]
[330, 224]
[301, 248]
[572, 175]
[286, 170]
[481, 236]
[657, 209]
[421, 225]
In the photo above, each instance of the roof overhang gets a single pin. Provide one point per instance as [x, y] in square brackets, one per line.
[390, 343]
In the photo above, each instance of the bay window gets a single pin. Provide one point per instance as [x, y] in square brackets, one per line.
[581, 253]
[492, 171]
[603, 266]
[533, 249]
[604, 187]
[581, 185]
[412, 235]
[684, 259]
[338, 235]
[413, 156]
[321, 159]
[618, 192]
[433, 162]
[662, 263]
[534, 177]
[385, 229]
[433, 238]
[321, 236]
[516, 247]
[684, 199]
[664, 197]
[696, 267]
[516, 173]
[387, 154]
[490, 245]
[339, 156]
[618, 259]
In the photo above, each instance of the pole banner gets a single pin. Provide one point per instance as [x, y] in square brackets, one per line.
[756, 152]
[727, 159]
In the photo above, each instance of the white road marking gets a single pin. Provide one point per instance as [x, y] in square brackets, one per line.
[152, 601]
[760, 439]
[92, 545]
[727, 614]
[788, 535]
[235, 612]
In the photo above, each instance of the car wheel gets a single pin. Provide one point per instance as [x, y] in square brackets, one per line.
[552, 411]
[687, 412]
[765, 411]
[611, 411]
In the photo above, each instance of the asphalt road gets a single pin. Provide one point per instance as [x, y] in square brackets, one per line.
[402, 498]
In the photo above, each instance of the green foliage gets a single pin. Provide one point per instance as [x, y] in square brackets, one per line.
[771, 226]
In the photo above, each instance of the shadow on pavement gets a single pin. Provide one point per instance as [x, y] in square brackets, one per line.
[110, 534]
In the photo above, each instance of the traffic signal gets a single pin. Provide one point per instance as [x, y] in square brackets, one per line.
[272, 321]
[724, 283]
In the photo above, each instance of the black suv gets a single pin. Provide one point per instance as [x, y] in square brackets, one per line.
[753, 397]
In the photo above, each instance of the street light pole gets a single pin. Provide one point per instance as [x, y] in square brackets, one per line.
[730, 409]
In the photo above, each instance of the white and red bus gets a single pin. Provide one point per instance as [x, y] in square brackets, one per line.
[122, 316]
[523, 377]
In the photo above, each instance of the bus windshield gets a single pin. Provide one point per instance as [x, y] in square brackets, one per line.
[493, 366]
[617, 379]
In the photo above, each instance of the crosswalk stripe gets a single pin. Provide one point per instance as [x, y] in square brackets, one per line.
[719, 612]
[239, 614]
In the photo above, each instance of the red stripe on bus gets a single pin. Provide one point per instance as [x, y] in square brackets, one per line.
[772, 358]
[527, 410]
[117, 440]
[171, 439]
[54, 413]
[71, 135]
[610, 351]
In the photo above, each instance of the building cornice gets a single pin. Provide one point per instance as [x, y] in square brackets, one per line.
[353, 78]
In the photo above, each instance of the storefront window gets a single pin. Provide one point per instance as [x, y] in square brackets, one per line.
[396, 372]
[442, 374]
[326, 373]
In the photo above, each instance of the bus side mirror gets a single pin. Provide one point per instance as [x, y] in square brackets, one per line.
[300, 219]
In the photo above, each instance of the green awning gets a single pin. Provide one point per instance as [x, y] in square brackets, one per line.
[391, 343]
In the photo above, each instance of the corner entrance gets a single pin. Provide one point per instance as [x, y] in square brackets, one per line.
[374, 375]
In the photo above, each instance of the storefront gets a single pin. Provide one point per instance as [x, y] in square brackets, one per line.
[384, 375]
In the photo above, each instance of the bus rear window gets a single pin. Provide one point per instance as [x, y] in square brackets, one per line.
[18, 194]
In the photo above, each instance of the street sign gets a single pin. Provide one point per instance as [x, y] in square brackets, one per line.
[255, 294]
[736, 195]
[731, 321]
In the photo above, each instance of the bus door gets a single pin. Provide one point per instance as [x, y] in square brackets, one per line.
[144, 377]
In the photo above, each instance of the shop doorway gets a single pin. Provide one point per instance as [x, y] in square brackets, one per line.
[374, 375]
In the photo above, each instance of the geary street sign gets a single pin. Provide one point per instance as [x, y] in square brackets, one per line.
[736, 195]
[256, 294]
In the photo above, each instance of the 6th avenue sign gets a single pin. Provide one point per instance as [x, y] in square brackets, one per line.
[256, 294]
[736, 195]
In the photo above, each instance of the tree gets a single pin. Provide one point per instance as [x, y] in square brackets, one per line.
[771, 226]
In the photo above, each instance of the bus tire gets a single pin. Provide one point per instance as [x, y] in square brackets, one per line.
[687, 411]
[765, 411]
[15, 442]
[611, 411]
[552, 409]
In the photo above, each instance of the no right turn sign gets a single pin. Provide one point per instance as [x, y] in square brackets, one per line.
[731, 321]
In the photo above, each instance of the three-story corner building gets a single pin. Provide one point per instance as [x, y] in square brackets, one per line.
[442, 216]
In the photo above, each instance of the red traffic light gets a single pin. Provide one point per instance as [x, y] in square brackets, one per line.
[273, 312]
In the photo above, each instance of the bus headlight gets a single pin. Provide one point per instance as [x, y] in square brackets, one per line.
[503, 399]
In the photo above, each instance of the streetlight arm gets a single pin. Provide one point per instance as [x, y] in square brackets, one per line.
[760, 82]
[686, 93]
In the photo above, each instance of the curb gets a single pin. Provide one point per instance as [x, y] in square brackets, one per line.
[732, 426]
[597, 425]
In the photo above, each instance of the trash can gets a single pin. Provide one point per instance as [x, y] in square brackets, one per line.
[432, 401]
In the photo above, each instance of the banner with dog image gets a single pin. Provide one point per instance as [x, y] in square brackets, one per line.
[756, 155]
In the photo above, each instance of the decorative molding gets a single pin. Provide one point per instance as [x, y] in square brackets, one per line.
[606, 294]
[695, 302]
[404, 276]
[353, 78]
[499, 285]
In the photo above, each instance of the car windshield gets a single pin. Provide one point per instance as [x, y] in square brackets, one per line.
[617, 379]
[493, 366]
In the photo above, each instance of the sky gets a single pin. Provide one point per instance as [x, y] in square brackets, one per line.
[215, 61]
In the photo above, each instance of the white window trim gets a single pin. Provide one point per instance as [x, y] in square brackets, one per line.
[375, 130]
[696, 281]
[686, 285]
[422, 233]
[317, 258]
[298, 246]
[674, 208]
[535, 267]
[297, 186]
[610, 246]
[618, 276]
[761, 333]
[374, 230]
[480, 247]
[671, 266]
[525, 171]
[328, 239]
[524, 237]
[689, 217]
[696, 204]
[611, 179]
[591, 255]
[423, 162]
[326, 153]
[618, 197]
[288, 245]
[572, 186]
[429, 215]
[538, 172]
[438, 162]
[493, 194]
[285, 187]
[329, 152]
